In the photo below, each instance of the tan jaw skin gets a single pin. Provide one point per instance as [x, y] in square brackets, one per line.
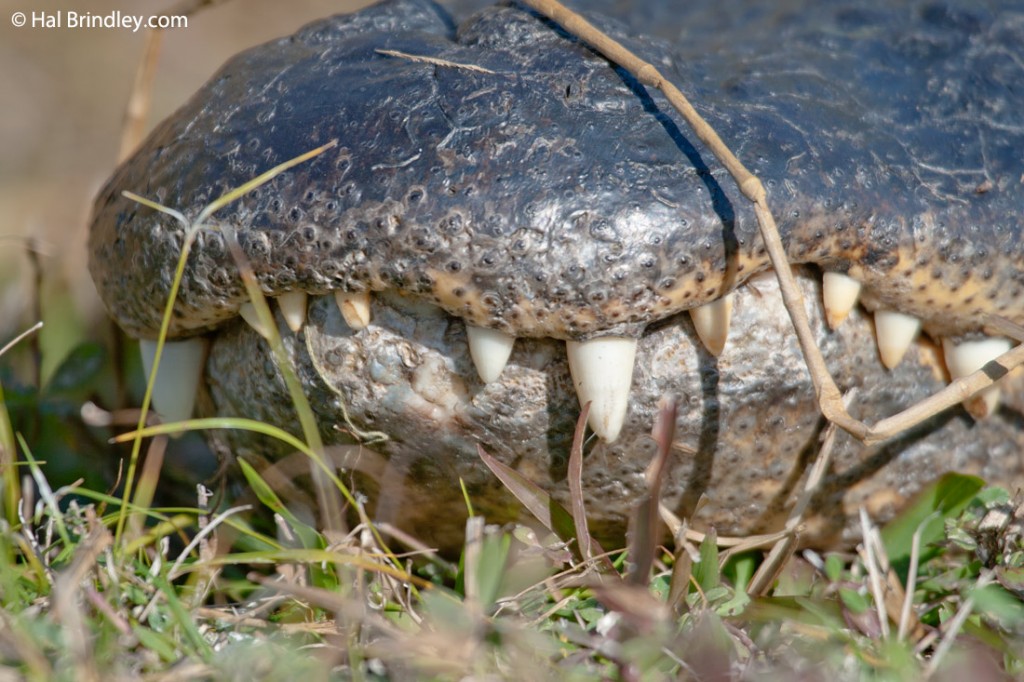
[749, 415]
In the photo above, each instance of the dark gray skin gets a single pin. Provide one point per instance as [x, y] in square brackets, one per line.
[556, 199]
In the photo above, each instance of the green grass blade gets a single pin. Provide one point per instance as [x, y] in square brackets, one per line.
[184, 620]
[9, 464]
[706, 571]
[265, 494]
[191, 229]
[47, 494]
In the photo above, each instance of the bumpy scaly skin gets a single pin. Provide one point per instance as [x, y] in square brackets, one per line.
[750, 415]
[554, 198]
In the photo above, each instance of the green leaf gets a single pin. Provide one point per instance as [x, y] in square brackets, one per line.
[740, 569]
[999, 604]
[590, 615]
[1011, 577]
[706, 570]
[943, 499]
[157, 643]
[491, 568]
[734, 606]
[993, 495]
[833, 567]
[854, 600]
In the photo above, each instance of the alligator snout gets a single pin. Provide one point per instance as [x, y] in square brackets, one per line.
[513, 181]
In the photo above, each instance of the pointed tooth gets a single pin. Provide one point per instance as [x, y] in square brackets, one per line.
[181, 366]
[293, 307]
[970, 356]
[490, 349]
[894, 332]
[967, 358]
[602, 370]
[712, 323]
[354, 307]
[840, 293]
[983, 404]
[248, 313]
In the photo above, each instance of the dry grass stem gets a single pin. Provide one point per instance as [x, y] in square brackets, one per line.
[907, 618]
[575, 481]
[20, 337]
[829, 397]
[645, 529]
[873, 556]
[141, 97]
[435, 61]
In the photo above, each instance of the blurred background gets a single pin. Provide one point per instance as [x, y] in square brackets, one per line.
[64, 96]
[65, 92]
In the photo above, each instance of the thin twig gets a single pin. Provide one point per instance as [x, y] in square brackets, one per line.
[17, 339]
[908, 597]
[575, 476]
[828, 395]
[423, 59]
[643, 540]
[737, 544]
[871, 562]
[769, 570]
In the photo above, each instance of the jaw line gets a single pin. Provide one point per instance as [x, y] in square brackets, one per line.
[749, 414]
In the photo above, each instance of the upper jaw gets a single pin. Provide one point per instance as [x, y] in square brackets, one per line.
[510, 208]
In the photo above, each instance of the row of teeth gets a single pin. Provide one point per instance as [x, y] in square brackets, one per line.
[895, 332]
[602, 368]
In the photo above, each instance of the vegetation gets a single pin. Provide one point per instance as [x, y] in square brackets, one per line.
[99, 583]
[94, 586]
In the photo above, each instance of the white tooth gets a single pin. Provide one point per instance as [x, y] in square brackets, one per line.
[181, 366]
[490, 349]
[354, 307]
[293, 307]
[894, 333]
[712, 323]
[248, 313]
[840, 293]
[969, 357]
[602, 370]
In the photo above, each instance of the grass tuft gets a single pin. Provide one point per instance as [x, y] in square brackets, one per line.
[234, 602]
[102, 586]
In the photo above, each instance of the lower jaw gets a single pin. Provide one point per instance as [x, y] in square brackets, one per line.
[748, 424]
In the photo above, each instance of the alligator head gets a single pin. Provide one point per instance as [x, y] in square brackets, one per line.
[510, 224]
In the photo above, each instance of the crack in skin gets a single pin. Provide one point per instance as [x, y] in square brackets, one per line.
[558, 199]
